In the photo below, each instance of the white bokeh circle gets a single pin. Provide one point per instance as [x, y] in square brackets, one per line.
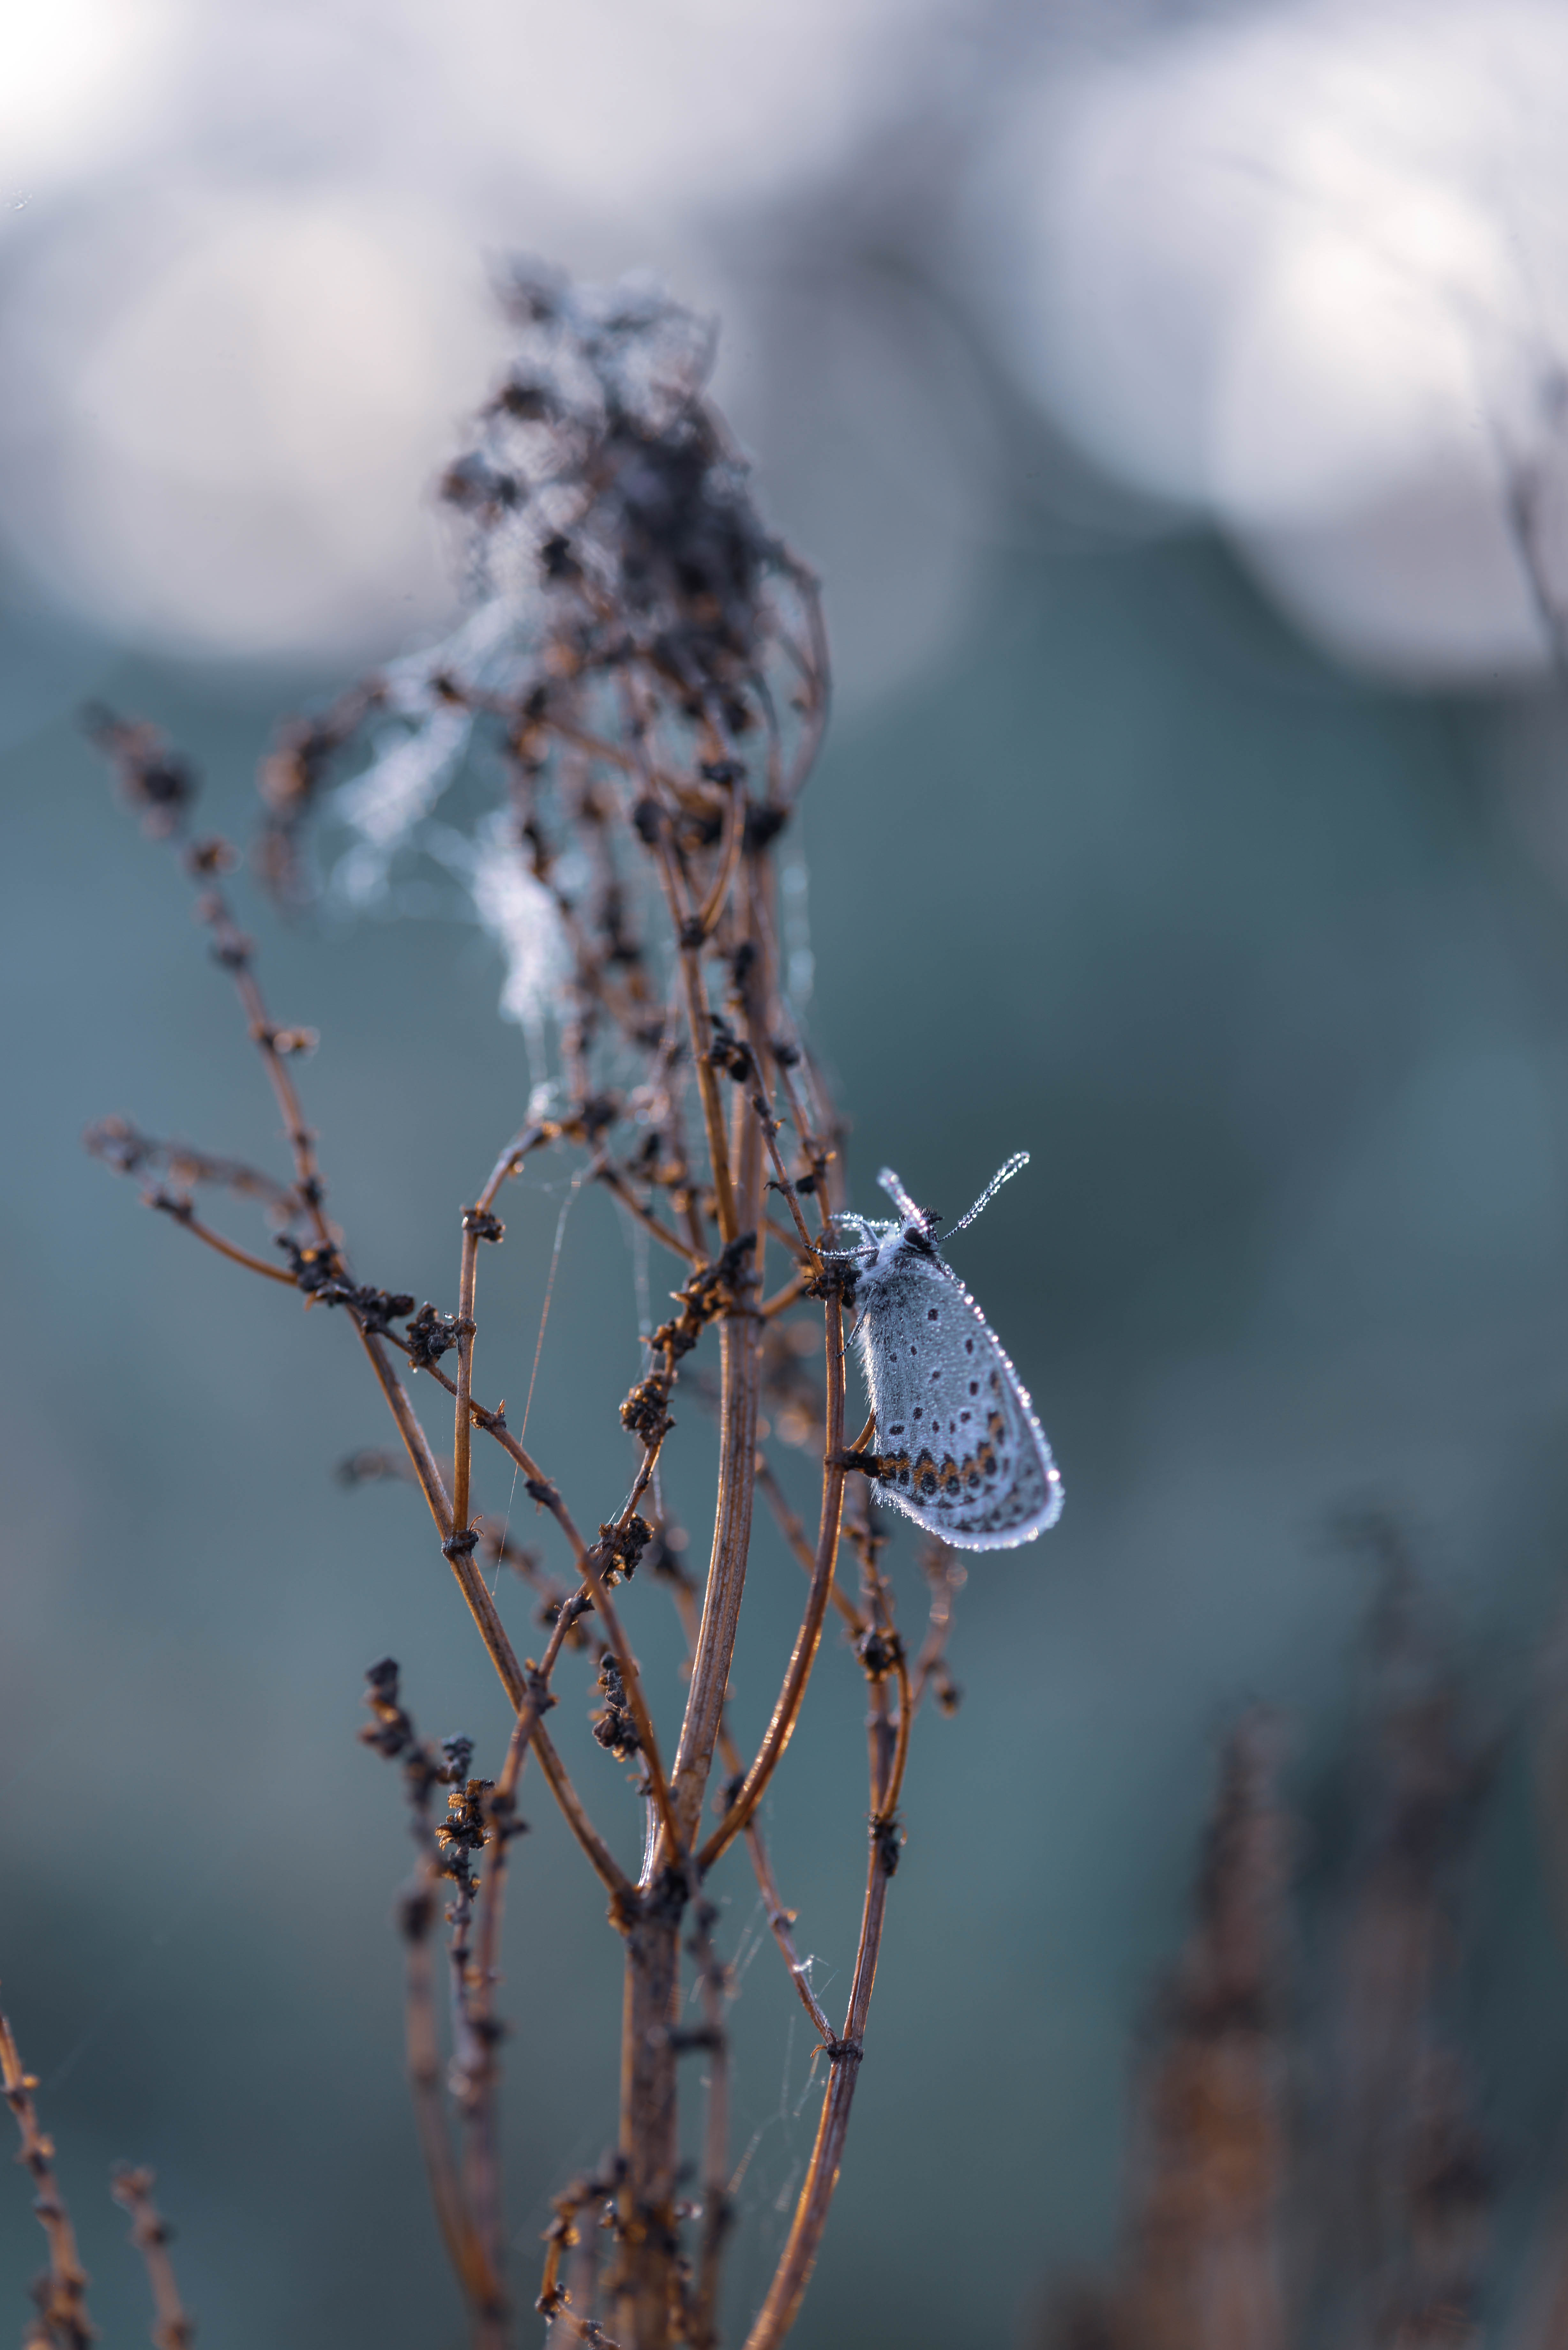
[1307, 270]
[227, 411]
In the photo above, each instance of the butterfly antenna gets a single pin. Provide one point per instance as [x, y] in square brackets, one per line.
[901, 1200]
[1002, 1175]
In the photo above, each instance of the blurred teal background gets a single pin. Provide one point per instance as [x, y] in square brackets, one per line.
[1266, 963]
[1250, 959]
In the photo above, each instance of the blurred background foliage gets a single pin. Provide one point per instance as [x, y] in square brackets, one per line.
[1237, 905]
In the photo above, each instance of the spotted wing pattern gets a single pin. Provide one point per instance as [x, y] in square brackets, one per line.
[960, 1449]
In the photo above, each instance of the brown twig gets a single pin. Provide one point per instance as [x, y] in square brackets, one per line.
[947, 1574]
[172, 2328]
[615, 1183]
[786, 1711]
[794, 1532]
[793, 2274]
[128, 1151]
[790, 1294]
[702, 2321]
[606, 1867]
[781, 1920]
[440, 1855]
[61, 2293]
[181, 1212]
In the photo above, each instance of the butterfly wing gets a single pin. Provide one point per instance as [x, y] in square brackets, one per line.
[961, 1450]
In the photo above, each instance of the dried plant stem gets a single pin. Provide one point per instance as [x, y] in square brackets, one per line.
[794, 1533]
[798, 2258]
[615, 1183]
[707, 1077]
[786, 1712]
[463, 1429]
[621, 1648]
[584, 2329]
[648, 2140]
[740, 1373]
[481, 1606]
[888, 1747]
[183, 1213]
[606, 1866]
[476, 2069]
[709, 638]
[643, 2281]
[790, 1294]
[477, 1225]
[61, 2294]
[729, 856]
[769, 1127]
[891, 1740]
[471, 2080]
[702, 2319]
[475, 2271]
[781, 1921]
[172, 2328]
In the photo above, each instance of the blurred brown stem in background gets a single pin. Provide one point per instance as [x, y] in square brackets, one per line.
[1302, 2171]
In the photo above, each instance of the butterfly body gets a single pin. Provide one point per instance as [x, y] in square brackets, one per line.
[958, 1447]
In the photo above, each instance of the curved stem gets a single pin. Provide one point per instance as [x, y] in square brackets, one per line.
[740, 1366]
[463, 1429]
[786, 1712]
[131, 2189]
[181, 1212]
[794, 1532]
[62, 2305]
[613, 1181]
[798, 2258]
[482, 1608]
[606, 1866]
[473, 2269]
[631, 1680]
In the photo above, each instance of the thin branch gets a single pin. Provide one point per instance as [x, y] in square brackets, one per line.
[781, 1920]
[792, 2273]
[613, 1181]
[947, 1575]
[770, 1127]
[457, 1549]
[392, 1734]
[539, 1487]
[606, 1865]
[631, 1678]
[125, 1149]
[476, 2066]
[169, 1203]
[512, 1157]
[474, 1223]
[702, 2321]
[794, 1532]
[174, 2328]
[786, 1712]
[62, 2294]
[708, 1090]
[463, 2250]
[798, 2258]
[706, 917]
[740, 1379]
[478, 1224]
[790, 1294]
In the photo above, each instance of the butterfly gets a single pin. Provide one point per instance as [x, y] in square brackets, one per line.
[956, 1445]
